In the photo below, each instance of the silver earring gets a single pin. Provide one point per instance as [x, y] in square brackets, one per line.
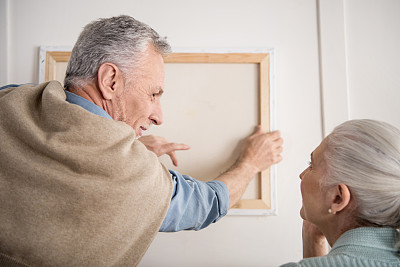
[330, 211]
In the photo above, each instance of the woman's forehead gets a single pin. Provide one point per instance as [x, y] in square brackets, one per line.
[318, 154]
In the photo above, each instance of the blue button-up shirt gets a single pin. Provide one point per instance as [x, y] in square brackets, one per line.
[194, 204]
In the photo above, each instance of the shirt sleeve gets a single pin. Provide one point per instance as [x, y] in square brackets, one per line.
[195, 204]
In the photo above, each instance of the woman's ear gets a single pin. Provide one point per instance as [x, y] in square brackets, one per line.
[341, 198]
[109, 79]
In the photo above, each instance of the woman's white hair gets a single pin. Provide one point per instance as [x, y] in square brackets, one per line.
[365, 155]
[119, 40]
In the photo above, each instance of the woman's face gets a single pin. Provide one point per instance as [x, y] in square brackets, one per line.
[315, 201]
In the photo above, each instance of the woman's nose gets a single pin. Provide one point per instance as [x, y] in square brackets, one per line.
[302, 174]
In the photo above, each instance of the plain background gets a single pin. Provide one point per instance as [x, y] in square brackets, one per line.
[334, 60]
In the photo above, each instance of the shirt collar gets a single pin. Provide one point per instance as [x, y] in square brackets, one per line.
[86, 104]
[374, 237]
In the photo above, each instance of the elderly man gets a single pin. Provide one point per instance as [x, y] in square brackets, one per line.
[77, 188]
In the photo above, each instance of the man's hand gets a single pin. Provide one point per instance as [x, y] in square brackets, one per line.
[161, 146]
[261, 150]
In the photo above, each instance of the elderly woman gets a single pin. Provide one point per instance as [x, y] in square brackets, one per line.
[351, 197]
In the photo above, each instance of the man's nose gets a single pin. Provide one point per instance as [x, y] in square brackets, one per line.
[157, 116]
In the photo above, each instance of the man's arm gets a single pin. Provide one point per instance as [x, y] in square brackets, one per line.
[260, 151]
[195, 204]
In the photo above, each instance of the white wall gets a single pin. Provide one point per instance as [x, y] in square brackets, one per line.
[373, 59]
[4, 43]
[288, 26]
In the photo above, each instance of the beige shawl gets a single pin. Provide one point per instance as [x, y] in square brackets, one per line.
[76, 189]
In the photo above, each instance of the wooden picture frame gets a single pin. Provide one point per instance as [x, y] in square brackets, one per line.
[49, 59]
[265, 204]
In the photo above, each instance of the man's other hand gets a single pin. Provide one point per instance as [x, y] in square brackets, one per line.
[161, 146]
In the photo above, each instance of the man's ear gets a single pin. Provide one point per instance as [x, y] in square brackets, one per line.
[341, 198]
[109, 79]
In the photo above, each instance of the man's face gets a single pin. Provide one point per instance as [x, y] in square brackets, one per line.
[139, 102]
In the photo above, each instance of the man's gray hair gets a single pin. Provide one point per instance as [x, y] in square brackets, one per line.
[365, 155]
[119, 40]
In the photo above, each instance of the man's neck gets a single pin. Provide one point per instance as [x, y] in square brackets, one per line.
[91, 93]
